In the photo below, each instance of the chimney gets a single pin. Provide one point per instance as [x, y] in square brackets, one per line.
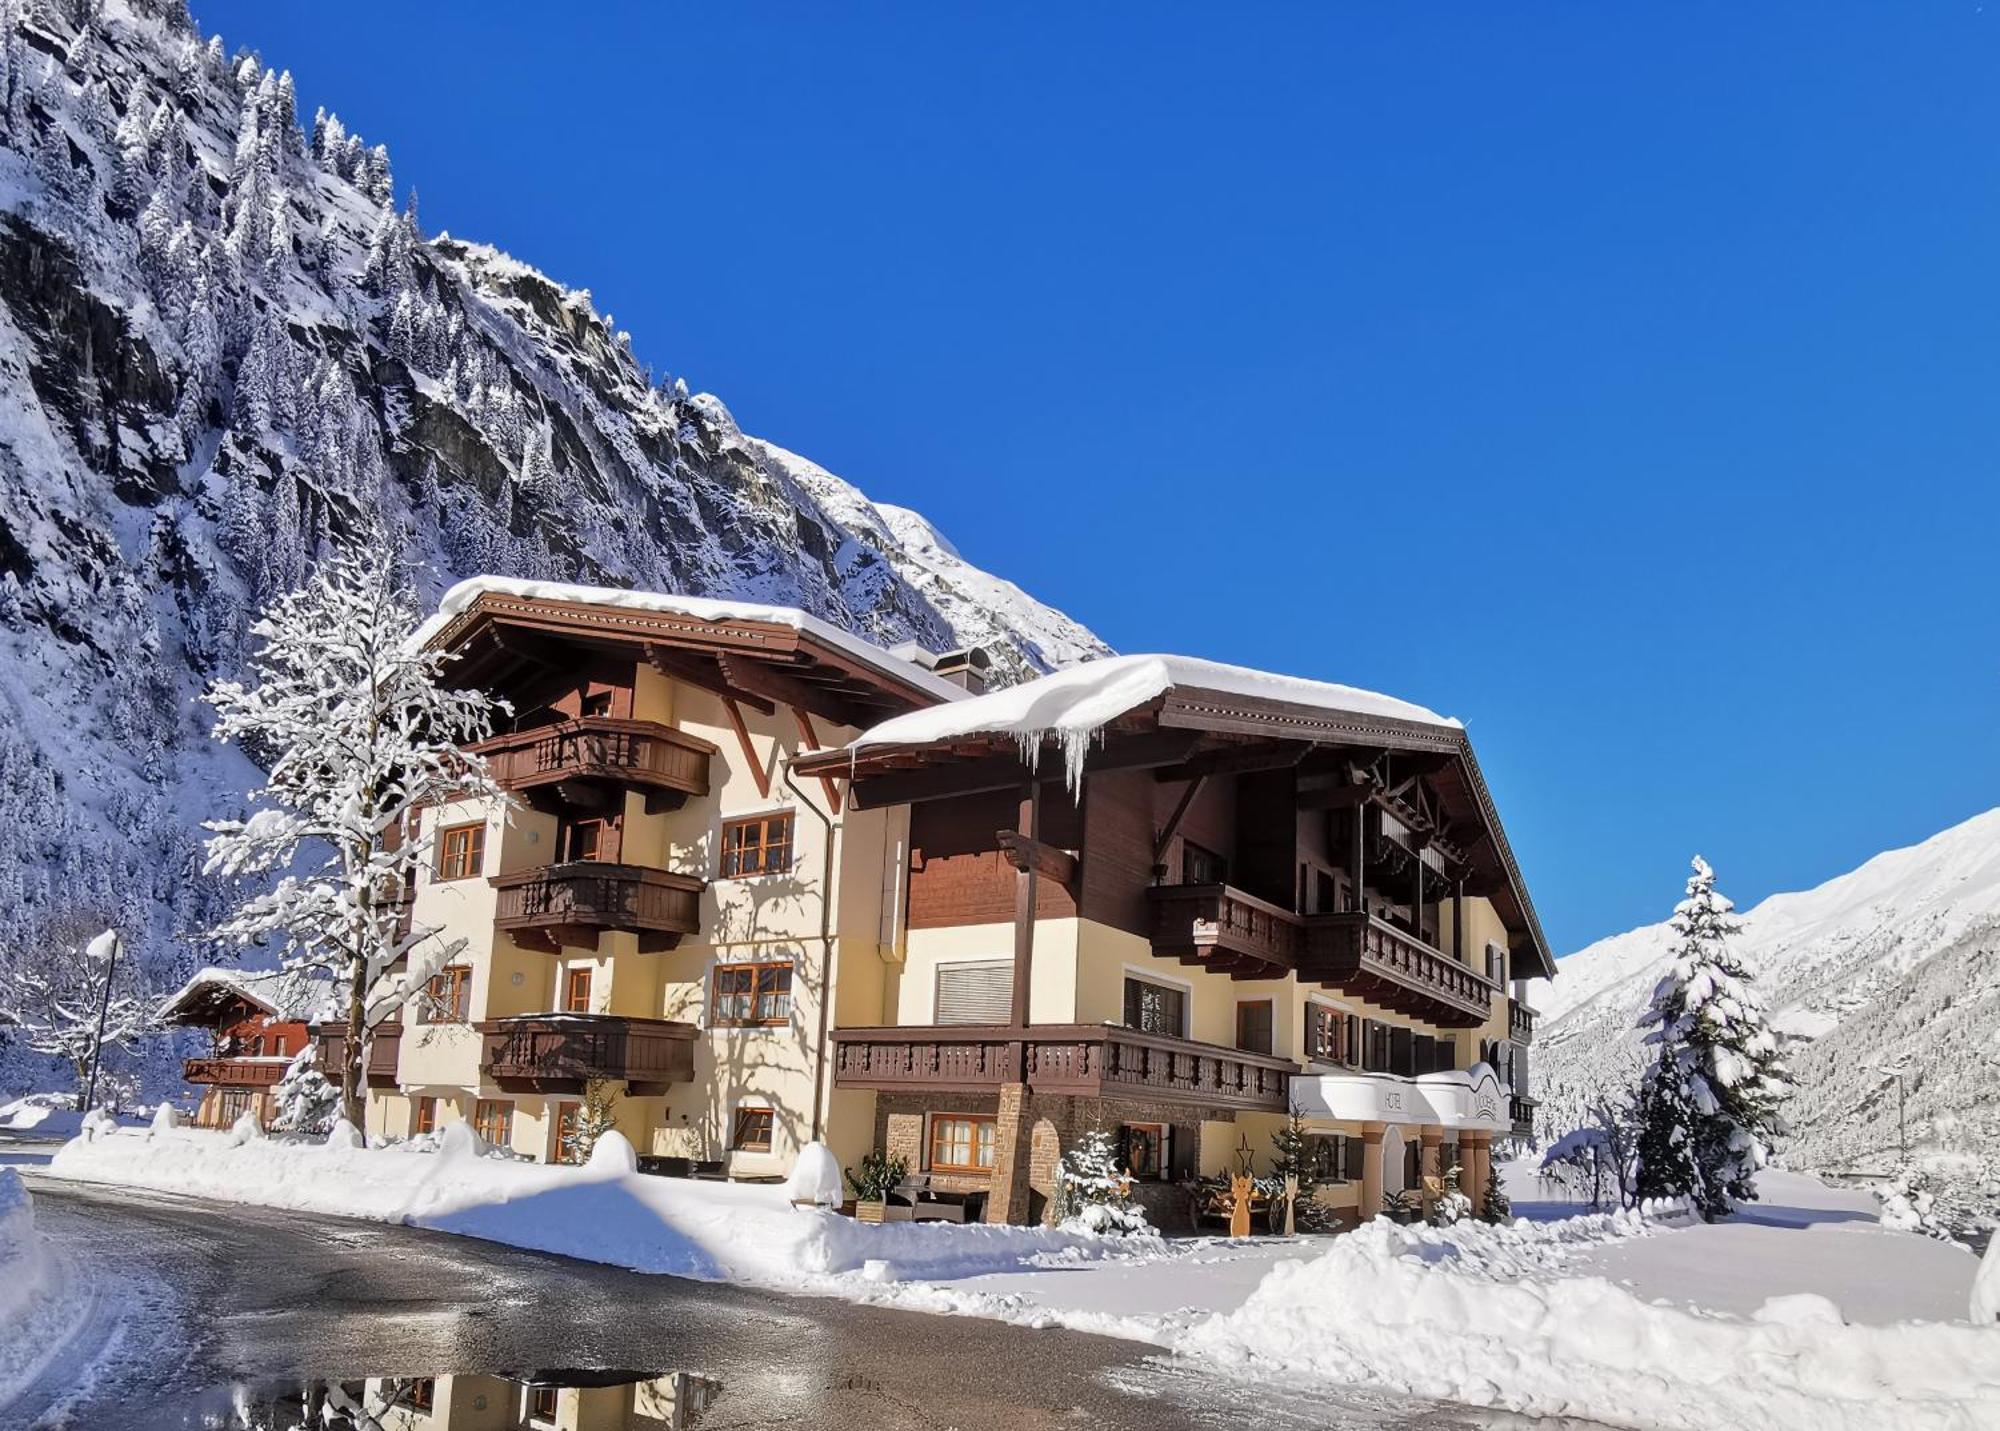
[966, 669]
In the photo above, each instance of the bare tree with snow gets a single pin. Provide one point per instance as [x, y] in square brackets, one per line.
[358, 732]
[72, 998]
[1708, 1105]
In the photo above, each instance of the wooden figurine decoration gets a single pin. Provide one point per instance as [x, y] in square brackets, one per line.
[1291, 1203]
[1239, 1205]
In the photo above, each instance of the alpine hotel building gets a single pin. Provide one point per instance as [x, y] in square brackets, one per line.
[766, 883]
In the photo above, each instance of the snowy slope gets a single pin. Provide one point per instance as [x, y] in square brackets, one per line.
[1898, 959]
[223, 349]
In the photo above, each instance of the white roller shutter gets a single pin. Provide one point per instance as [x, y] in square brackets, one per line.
[981, 993]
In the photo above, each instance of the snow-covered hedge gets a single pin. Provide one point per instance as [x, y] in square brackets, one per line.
[1482, 1315]
[734, 1232]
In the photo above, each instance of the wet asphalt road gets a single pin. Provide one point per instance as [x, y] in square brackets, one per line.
[192, 1296]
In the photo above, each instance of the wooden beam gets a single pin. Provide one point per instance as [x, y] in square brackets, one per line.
[1023, 853]
[939, 778]
[757, 770]
[1166, 835]
[1336, 797]
[810, 739]
[682, 665]
[1237, 760]
[1030, 828]
[745, 674]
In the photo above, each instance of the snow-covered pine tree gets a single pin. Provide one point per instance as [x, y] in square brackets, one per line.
[359, 732]
[307, 1100]
[1093, 1190]
[1709, 1102]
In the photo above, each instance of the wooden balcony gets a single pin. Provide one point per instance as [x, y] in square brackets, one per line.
[1086, 1060]
[585, 764]
[1522, 1110]
[1224, 929]
[235, 1072]
[1520, 1022]
[384, 1046]
[561, 1053]
[1374, 960]
[571, 905]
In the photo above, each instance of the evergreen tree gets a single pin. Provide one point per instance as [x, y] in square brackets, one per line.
[1708, 1106]
[1093, 1189]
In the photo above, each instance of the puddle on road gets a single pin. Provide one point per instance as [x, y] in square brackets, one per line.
[534, 1401]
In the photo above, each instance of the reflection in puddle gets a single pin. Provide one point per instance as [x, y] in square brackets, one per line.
[537, 1401]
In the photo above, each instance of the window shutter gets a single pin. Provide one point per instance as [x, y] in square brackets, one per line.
[975, 993]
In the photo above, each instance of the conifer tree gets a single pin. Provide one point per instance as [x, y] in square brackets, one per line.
[1708, 1105]
[1093, 1189]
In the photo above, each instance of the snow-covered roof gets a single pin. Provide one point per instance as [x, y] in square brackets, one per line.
[1073, 706]
[461, 598]
[282, 994]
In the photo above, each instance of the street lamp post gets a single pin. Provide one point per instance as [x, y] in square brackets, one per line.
[103, 1010]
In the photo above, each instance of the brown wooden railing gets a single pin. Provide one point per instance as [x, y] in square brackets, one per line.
[1088, 1060]
[1522, 1111]
[234, 1072]
[383, 1048]
[640, 753]
[572, 904]
[1382, 963]
[560, 1053]
[1224, 928]
[1520, 1022]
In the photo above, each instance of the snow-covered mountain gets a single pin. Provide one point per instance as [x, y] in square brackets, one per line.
[1896, 962]
[223, 348]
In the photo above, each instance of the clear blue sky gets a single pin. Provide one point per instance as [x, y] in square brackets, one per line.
[1623, 379]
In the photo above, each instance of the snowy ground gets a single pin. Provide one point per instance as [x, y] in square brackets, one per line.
[1803, 1312]
[41, 1304]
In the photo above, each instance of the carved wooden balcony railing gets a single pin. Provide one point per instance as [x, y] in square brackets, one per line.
[1377, 961]
[1521, 1109]
[1520, 1022]
[384, 1046]
[1088, 1060]
[571, 905]
[1224, 929]
[235, 1072]
[583, 762]
[561, 1053]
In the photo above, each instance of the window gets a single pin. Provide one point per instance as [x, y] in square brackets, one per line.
[1496, 964]
[420, 1395]
[961, 1143]
[751, 995]
[542, 1403]
[751, 1132]
[981, 993]
[1334, 1159]
[450, 996]
[1202, 866]
[1253, 1026]
[461, 851]
[569, 1122]
[1146, 1150]
[493, 1120]
[1155, 1008]
[231, 1104]
[1325, 1035]
[758, 846]
[426, 1116]
[576, 992]
[257, 1046]
[597, 703]
[579, 840]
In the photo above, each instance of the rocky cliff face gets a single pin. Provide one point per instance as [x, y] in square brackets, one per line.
[225, 349]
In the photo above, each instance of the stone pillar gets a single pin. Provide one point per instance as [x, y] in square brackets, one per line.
[1013, 1147]
[1476, 1149]
[1371, 1170]
[1429, 1166]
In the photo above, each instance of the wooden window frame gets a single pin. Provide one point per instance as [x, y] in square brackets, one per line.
[569, 989]
[974, 1122]
[568, 832]
[772, 854]
[744, 1123]
[1335, 1023]
[567, 1111]
[468, 863]
[761, 973]
[420, 1394]
[450, 991]
[1193, 852]
[534, 1402]
[506, 1120]
[1179, 991]
[423, 1115]
[1162, 1135]
[1270, 1007]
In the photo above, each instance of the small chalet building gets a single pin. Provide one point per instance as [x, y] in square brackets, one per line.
[1173, 899]
[666, 914]
[259, 1023]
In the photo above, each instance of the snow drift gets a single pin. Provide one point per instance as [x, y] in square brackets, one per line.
[1462, 1315]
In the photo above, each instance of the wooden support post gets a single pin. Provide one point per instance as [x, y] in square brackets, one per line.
[1417, 894]
[757, 770]
[1371, 1170]
[1357, 860]
[1029, 825]
[1430, 1174]
[1166, 835]
[809, 738]
[1458, 920]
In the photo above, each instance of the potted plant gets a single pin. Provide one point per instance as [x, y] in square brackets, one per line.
[877, 1177]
